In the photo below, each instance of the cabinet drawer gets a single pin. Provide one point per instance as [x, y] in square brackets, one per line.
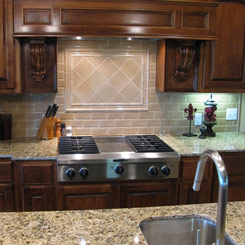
[5, 171]
[37, 173]
[189, 165]
[234, 162]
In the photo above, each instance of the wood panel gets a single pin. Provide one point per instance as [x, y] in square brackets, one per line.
[38, 198]
[6, 198]
[87, 197]
[188, 196]
[188, 167]
[39, 73]
[170, 56]
[148, 194]
[117, 18]
[6, 174]
[224, 66]
[37, 17]
[7, 47]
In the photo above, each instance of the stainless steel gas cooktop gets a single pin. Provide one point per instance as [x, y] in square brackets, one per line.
[87, 158]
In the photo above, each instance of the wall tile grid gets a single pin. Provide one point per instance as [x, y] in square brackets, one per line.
[164, 113]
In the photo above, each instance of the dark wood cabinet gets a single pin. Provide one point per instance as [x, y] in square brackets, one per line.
[192, 19]
[223, 60]
[148, 194]
[90, 196]
[187, 174]
[9, 79]
[6, 186]
[210, 66]
[235, 165]
[35, 185]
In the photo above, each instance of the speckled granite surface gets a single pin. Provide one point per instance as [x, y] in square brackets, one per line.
[194, 146]
[104, 227]
[32, 148]
[28, 148]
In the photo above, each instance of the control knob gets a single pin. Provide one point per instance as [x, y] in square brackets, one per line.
[119, 169]
[166, 170]
[83, 172]
[70, 172]
[153, 171]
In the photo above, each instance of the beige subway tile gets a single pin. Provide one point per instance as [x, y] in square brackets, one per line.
[99, 131]
[84, 115]
[75, 123]
[130, 131]
[219, 128]
[91, 123]
[130, 115]
[151, 123]
[20, 132]
[115, 131]
[107, 123]
[65, 116]
[31, 132]
[99, 115]
[231, 128]
[234, 98]
[176, 114]
[138, 123]
[146, 115]
[122, 123]
[148, 130]
[81, 131]
[115, 115]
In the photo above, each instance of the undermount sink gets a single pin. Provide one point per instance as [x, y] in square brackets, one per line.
[181, 230]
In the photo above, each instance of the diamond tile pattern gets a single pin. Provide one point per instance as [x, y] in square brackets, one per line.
[104, 79]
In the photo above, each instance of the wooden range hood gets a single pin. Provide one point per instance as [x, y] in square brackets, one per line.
[102, 18]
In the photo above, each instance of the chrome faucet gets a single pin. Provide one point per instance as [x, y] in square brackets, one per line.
[223, 189]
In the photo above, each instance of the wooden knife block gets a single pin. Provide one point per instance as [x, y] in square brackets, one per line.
[48, 132]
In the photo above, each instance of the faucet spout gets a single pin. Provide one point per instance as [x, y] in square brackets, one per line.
[223, 189]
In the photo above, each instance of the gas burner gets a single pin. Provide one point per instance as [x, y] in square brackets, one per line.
[77, 145]
[148, 143]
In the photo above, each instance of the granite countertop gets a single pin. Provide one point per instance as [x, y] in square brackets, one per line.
[35, 149]
[104, 227]
[29, 149]
[225, 142]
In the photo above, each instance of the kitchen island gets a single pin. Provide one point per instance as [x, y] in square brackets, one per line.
[104, 227]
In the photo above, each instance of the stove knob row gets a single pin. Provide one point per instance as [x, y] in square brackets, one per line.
[119, 169]
[153, 170]
[166, 170]
[83, 172]
[70, 172]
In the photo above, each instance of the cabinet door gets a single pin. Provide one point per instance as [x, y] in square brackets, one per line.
[224, 68]
[235, 167]
[187, 174]
[35, 185]
[6, 198]
[38, 198]
[148, 194]
[7, 47]
[188, 196]
[98, 196]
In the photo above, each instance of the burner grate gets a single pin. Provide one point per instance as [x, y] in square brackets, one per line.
[77, 145]
[148, 143]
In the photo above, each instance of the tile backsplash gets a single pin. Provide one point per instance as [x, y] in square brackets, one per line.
[115, 99]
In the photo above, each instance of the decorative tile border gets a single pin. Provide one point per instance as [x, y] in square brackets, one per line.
[108, 80]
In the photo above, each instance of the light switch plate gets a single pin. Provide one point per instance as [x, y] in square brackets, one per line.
[198, 119]
[231, 114]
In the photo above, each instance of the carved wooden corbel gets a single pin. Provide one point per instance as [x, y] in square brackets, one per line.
[38, 59]
[185, 55]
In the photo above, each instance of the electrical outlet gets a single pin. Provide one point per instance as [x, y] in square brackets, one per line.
[231, 114]
[198, 119]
